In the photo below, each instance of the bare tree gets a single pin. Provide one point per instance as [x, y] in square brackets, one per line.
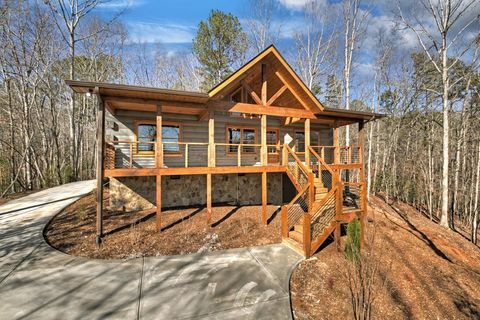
[262, 28]
[68, 16]
[448, 27]
[316, 44]
[354, 20]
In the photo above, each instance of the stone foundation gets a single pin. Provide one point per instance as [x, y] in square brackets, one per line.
[138, 193]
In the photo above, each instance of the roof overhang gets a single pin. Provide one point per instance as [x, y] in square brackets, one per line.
[345, 117]
[129, 97]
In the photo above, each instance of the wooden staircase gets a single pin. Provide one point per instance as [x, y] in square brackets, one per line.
[317, 211]
[320, 193]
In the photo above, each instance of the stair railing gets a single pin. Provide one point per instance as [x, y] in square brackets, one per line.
[301, 204]
[293, 212]
[321, 169]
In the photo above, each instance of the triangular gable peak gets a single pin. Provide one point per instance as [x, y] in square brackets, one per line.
[267, 70]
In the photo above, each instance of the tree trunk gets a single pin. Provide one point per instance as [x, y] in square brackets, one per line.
[445, 157]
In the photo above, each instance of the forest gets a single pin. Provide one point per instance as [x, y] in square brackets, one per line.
[423, 75]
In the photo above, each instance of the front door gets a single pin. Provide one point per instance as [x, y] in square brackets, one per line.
[273, 147]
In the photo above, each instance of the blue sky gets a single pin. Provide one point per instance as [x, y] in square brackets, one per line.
[174, 23]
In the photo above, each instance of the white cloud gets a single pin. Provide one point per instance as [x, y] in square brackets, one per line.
[364, 71]
[120, 4]
[145, 32]
[294, 4]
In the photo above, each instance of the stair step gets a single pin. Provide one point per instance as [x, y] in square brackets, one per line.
[299, 228]
[295, 246]
[295, 235]
[319, 197]
[321, 190]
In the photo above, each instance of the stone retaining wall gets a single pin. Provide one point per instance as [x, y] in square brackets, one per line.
[138, 193]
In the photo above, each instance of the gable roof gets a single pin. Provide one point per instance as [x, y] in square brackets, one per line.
[238, 75]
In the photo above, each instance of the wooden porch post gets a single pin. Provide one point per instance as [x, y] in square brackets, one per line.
[263, 140]
[336, 235]
[264, 153]
[158, 193]
[159, 147]
[100, 166]
[264, 198]
[264, 161]
[211, 163]
[336, 144]
[307, 142]
[363, 190]
[158, 165]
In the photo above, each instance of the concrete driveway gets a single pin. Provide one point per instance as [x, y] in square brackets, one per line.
[38, 282]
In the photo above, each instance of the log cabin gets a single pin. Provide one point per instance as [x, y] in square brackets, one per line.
[260, 136]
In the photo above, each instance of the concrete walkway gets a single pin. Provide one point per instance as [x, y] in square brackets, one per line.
[38, 282]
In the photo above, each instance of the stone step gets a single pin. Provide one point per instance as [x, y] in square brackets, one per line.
[295, 235]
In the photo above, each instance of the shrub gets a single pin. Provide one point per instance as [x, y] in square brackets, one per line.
[352, 245]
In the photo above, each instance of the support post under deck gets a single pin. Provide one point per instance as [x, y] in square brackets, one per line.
[211, 163]
[158, 193]
[363, 190]
[100, 166]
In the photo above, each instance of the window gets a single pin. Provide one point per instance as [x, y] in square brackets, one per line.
[171, 135]
[146, 131]
[272, 139]
[300, 140]
[240, 135]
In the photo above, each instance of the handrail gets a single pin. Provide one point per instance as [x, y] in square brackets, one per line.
[290, 204]
[315, 154]
[297, 159]
[320, 204]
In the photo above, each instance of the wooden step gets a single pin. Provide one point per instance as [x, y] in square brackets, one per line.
[299, 228]
[295, 246]
[320, 196]
[321, 190]
[295, 235]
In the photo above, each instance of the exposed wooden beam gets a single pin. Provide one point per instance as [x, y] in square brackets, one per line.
[272, 111]
[204, 115]
[292, 90]
[113, 99]
[252, 93]
[276, 95]
[264, 84]
[151, 172]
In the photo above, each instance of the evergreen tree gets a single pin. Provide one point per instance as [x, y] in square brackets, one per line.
[219, 43]
[332, 94]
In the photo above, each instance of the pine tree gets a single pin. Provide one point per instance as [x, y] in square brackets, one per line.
[220, 42]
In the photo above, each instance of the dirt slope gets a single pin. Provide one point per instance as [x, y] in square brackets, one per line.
[426, 272]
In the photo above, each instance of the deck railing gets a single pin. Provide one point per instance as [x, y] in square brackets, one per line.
[340, 154]
[135, 154]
